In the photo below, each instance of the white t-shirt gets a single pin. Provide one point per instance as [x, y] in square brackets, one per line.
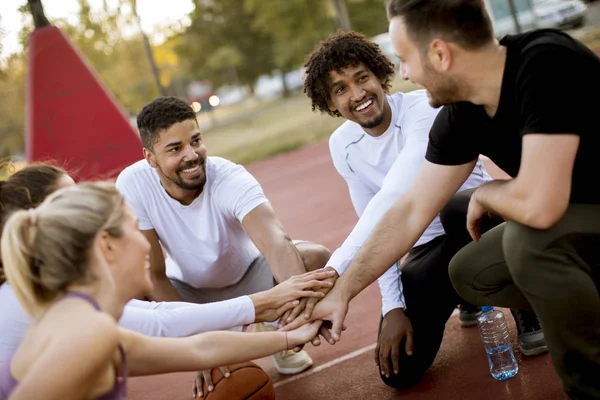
[378, 170]
[164, 319]
[206, 244]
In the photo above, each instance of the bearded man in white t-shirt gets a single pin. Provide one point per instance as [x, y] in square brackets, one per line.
[211, 217]
[379, 151]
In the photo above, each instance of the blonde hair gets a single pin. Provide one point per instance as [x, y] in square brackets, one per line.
[48, 248]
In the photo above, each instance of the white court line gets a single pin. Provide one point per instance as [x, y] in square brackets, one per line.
[331, 363]
[336, 361]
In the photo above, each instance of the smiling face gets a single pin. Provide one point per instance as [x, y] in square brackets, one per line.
[417, 66]
[132, 257]
[357, 94]
[179, 155]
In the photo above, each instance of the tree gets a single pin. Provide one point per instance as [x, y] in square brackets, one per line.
[148, 49]
[225, 24]
[368, 16]
[295, 26]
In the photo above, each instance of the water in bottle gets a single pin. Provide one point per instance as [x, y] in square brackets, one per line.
[496, 341]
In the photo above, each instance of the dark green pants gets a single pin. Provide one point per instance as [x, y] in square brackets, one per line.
[555, 272]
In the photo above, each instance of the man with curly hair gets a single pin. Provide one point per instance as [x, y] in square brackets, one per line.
[379, 151]
[221, 236]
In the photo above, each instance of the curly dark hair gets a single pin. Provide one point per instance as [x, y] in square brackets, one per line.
[340, 51]
[160, 114]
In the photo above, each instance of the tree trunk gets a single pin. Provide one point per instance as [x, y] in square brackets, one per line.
[341, 14]
[148, 50]
[37, 11]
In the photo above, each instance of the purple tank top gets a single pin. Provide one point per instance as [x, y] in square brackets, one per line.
[118, 392]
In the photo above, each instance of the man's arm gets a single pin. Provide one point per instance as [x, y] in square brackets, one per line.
[395, 234]
[402, 225]
[268, 235]
[390, 287]
[539, 196]
[163, 289]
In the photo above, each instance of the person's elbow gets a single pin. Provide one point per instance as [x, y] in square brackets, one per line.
[545, 213]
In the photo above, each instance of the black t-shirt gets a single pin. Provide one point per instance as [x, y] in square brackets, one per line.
[551, 85]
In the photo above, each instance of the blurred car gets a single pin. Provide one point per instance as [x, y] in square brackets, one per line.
[561, 14]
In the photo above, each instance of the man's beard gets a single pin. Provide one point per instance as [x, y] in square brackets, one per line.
[441, 91]
[374, 122]
[198, 185]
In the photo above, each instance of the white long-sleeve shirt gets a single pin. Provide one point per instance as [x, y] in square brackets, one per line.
[166, 319]
[378, 171]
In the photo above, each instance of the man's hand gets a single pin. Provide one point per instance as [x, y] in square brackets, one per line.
[272, 303]
[333, 309]
[474, 215]
[394, 328]
[273, 314]
[204, 376]
[307, 305]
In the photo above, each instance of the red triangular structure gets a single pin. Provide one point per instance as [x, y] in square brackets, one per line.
[71, 116]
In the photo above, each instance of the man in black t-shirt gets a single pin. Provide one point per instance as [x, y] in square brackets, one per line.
[522, 102]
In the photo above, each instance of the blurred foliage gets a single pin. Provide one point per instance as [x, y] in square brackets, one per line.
[296, 27]
[368, 16]
[225, 24]
[231, 42]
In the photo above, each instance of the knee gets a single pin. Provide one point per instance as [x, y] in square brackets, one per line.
[520, 253]
[462, 274]
[454, 214]
[315, 257]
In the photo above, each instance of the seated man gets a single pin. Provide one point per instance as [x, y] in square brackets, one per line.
[379, 151]
[220, 234]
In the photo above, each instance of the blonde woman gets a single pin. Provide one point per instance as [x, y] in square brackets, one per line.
[74, 262]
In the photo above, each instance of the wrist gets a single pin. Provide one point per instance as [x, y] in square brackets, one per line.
[260, 302]
[386, 311]
[343, 290]
[395, 312]
[292, 340]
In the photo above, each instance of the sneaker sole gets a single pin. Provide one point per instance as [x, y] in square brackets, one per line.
[534, 352]
[467, 323]
[291, 371]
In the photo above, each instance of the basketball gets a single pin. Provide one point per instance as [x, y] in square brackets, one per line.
[247, 381]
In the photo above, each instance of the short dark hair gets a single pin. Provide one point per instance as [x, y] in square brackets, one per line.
[464, 22]
[339, 51]
[160, 114]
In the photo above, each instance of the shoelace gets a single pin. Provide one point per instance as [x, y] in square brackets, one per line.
[526, 321]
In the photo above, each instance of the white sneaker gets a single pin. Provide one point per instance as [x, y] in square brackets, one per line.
[290, 363]
[287, 362]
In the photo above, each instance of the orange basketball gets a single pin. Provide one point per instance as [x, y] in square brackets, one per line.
[247, 381]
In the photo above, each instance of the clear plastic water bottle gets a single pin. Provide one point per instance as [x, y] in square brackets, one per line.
[496, 341]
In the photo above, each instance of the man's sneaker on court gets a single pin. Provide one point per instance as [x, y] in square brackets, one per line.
[531, 335]
[287, 362]
[468, 314]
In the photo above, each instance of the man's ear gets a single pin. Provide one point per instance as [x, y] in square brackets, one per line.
[149, 156]
[332, 108]
[440, 55]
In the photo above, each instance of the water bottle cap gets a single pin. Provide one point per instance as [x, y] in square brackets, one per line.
[486, 308]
